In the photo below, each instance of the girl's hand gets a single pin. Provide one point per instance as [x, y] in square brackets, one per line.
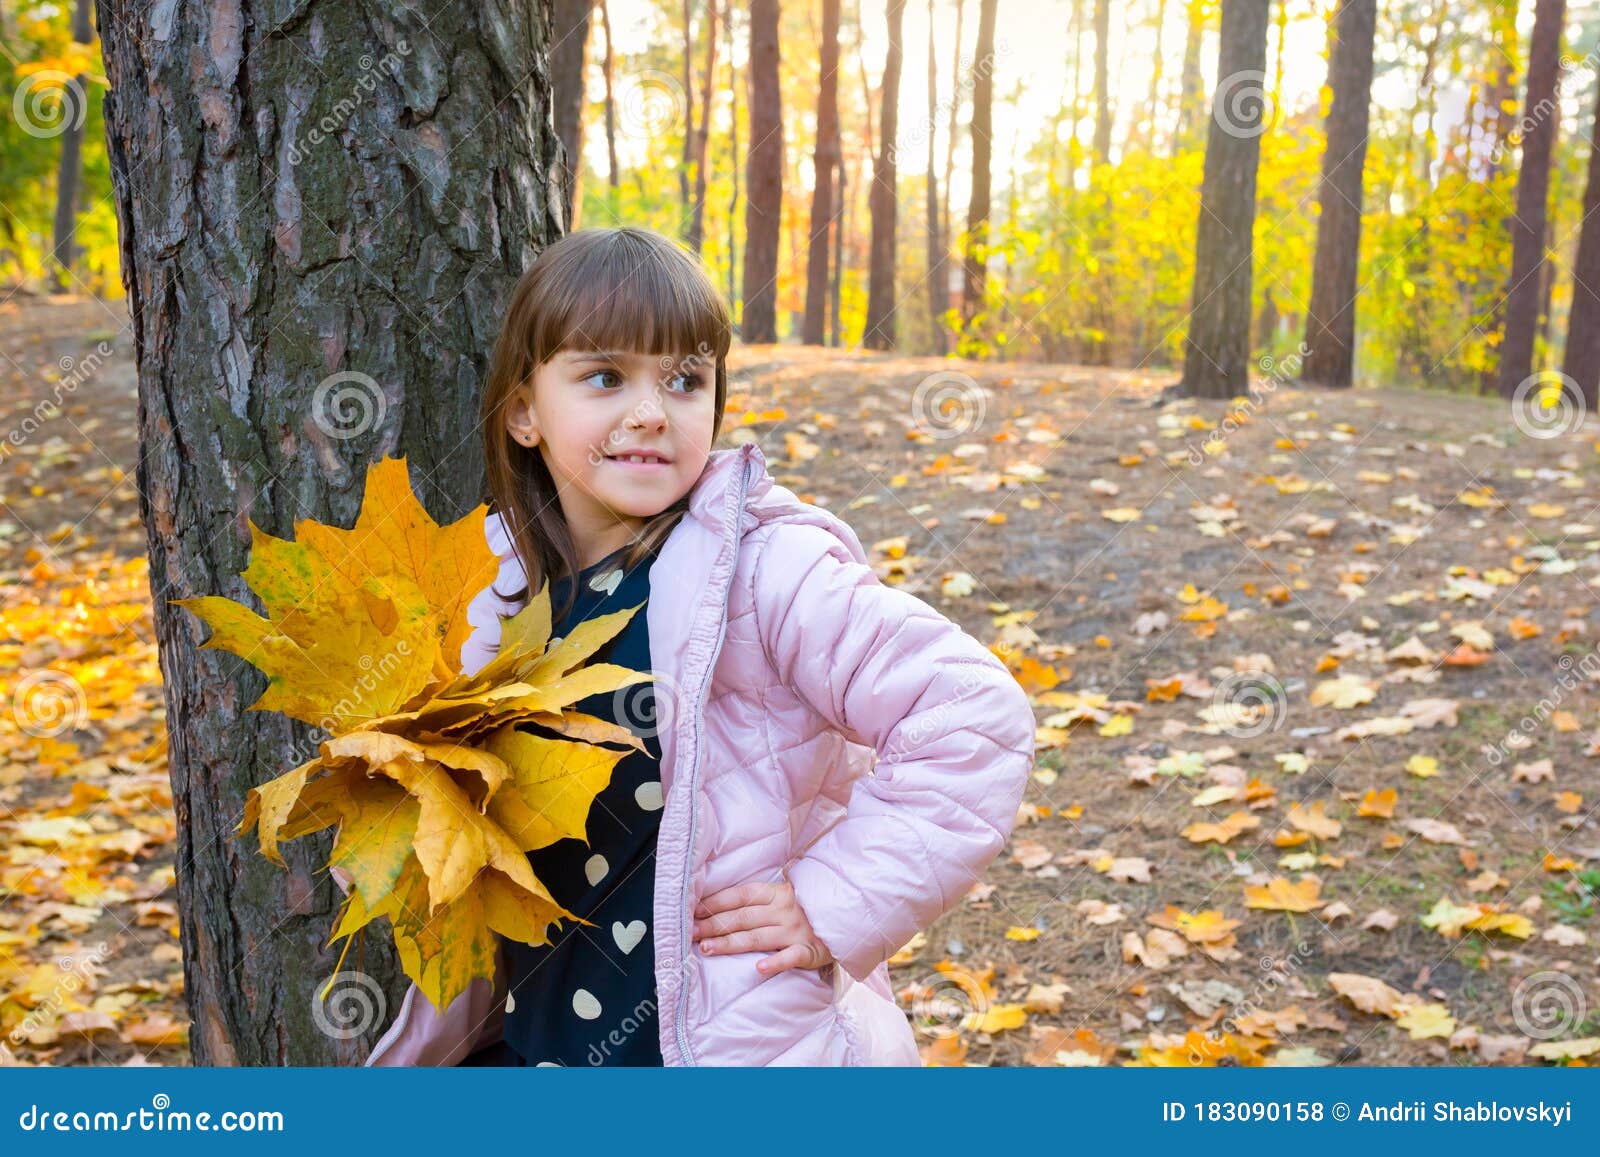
[759, 917]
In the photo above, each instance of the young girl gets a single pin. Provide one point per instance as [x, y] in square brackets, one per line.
[830, 763]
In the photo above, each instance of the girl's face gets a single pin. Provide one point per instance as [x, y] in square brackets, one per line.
[588, 413]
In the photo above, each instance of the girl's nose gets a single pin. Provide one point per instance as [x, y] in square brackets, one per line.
[650, 411]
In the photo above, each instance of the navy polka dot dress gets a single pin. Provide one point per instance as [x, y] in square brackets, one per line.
[589, 997]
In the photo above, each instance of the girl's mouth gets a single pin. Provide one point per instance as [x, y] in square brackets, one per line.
[646, 461]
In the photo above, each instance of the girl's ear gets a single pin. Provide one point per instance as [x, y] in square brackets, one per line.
[520, 420]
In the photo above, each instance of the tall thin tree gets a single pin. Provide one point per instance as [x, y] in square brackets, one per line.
[885, 205]
[1102, 83]
[1191, 85]
[974, 267]
[825, 164]
[1216, 361]
[697, 220]
[1331, 321]
[954, 133]
[69, 170]
[763, 202]
[1582, 360]
[608, 69]
[569, 51]
[937, 287]
[1539, 117]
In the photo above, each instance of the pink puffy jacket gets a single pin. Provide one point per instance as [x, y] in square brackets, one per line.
[785, 670]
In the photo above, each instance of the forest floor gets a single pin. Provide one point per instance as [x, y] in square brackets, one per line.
[1316, 774]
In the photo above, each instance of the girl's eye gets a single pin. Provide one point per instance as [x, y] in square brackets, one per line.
[690, 382]
[600, 374]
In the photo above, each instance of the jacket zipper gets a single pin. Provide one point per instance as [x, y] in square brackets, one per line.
[682, 1018]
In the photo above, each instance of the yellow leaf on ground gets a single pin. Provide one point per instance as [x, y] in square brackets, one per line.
[1279, 895]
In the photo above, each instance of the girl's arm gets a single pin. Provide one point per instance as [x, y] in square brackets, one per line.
[952, 728]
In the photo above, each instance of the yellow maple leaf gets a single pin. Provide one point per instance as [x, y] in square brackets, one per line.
[1222, 832]
[1315, 820]
[996, 1018]
[1279, 895]
[1426, 1020]
[1378, 804]
[1208, 927]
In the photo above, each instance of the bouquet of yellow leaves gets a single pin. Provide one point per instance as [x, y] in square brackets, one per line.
[437, 793]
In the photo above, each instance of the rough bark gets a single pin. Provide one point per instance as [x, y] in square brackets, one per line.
[1217, 351]
[1331, 323]
[303, 191]
[763, 201]
[884, 207]
[1540, 115]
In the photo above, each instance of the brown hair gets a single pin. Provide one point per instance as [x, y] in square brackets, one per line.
[619, 288]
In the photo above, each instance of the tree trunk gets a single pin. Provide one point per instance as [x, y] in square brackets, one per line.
[1191, 85]
[884, 208]
[321, 212]
[763, 201]
[1153, 109]
[688, 106]
[69, 171]
[733, 158]
[947, 230]
[1102, 89]
[608, 71]
[702, 139]
[568, 55]
[1216, 360]
[1582, 361]
[938, 292]
[973, 283]
[825, 162]
[1533, 186]
[1331, 324]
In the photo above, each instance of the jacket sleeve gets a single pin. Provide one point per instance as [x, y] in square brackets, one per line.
[952, 728]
